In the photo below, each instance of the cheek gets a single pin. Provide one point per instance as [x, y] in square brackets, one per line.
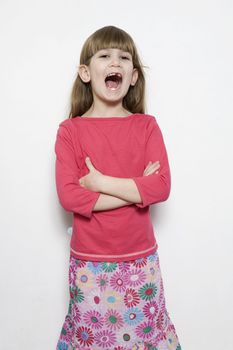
[96, 80]
[98, 76]
[129, 78]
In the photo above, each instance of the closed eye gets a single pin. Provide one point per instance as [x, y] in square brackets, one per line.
[123, 57]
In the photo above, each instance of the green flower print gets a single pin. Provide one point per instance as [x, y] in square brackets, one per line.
[148, 291]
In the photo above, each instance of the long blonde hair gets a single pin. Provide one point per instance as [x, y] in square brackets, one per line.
[108, 37]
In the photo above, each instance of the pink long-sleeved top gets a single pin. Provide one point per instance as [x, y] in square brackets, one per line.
[119, 147]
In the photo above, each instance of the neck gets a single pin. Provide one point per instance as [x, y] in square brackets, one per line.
[103, 110]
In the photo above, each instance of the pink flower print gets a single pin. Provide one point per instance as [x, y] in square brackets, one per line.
[160, 320]
[113, 319]
[93, 319]
[124, 266]
[84, 336]
[131, 297]
[151, 309]
[145, 330]
[76, 315]
[135, 277]
[105, 338]
[102, 281]
[118, 282]
[72, 273]
[140, 262]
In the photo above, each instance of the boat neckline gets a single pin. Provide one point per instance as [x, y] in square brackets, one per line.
[108, 118]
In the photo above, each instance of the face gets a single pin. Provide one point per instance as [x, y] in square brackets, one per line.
[110, 73]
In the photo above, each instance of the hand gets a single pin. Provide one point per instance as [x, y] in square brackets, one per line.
[92, 180]
[151, 168]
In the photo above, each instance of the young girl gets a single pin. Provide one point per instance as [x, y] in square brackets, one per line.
[111, 165]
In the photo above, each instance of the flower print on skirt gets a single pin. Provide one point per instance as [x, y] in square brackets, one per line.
[117, 306]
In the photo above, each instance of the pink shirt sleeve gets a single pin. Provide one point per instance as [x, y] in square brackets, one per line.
[72, 196]
[154, 188]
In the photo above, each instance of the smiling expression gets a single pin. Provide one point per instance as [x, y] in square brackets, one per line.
[110, 73]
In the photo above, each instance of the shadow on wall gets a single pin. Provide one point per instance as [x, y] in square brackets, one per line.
[160, 213]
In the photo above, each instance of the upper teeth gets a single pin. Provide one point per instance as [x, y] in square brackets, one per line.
[118, 74]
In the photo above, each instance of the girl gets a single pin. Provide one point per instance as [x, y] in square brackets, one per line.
[111, 165]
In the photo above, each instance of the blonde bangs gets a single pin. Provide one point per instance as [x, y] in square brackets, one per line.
[107, 38]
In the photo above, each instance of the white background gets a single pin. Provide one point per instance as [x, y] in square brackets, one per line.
[187, 46]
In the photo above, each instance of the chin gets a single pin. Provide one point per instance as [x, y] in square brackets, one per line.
[114, 100]
[116, 95]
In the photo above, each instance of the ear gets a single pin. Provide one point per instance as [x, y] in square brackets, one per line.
[134, 77]
[84, 73]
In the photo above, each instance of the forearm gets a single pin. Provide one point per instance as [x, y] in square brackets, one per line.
[123, 188]
[107, 202]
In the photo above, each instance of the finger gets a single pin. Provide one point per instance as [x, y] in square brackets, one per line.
[152, 169]
[150, 164]
[154, 166]
[89, 163]
[156, 163]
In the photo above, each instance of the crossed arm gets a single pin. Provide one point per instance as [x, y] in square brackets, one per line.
[115, 192]
[96, 191]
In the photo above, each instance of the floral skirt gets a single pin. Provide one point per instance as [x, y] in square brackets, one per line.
[117, 306]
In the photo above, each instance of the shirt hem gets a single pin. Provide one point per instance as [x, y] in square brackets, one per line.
[111, 257]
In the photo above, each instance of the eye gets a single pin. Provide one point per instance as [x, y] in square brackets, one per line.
[104, 56]
[125, 57]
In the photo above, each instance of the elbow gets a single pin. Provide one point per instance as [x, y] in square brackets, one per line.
[65, 203]
[70, 207]
[166, 193]
[166, 189]
[77, 206]
[155, 191]
[65, 199]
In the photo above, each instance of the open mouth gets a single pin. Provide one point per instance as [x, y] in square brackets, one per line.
[113, 80]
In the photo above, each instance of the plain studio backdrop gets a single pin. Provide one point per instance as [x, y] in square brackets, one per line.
[187, 47]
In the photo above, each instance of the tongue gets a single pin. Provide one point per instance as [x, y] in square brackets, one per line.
[112, 84]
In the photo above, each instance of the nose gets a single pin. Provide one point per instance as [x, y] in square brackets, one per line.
[115, 61]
